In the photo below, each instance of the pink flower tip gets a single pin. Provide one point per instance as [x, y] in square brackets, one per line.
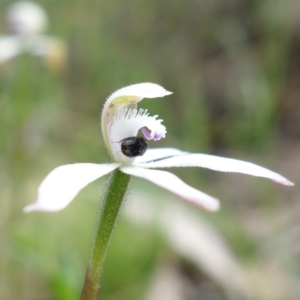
[284, 181]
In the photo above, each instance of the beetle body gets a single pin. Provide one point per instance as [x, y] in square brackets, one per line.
[134, 146]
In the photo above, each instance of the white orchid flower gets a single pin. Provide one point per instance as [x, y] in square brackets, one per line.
[121, 122]
[27, 21]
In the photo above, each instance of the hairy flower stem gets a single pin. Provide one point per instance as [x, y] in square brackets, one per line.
[107, 217]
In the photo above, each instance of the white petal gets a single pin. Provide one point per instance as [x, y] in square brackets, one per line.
[127, 96]
[175, 185]
[9, 48]
[157, 154]
[60, 187]
[217, 163]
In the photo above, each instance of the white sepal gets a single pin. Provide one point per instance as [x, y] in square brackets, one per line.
[217, 163]
[61, 185]
[136, 92]
[175, 185]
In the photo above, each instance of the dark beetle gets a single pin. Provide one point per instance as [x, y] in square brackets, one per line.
[134, 146]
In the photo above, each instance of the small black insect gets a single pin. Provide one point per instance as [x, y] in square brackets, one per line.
[134, 146]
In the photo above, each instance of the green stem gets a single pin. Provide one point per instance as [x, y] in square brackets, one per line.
[109, 208]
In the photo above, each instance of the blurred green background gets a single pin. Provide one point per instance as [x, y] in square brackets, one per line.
[234, 68]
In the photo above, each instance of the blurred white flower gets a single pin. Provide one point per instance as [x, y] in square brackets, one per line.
[121, 122]
[194, 239]
[27, 21]
[26, 18]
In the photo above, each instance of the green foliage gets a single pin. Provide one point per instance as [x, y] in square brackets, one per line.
[230, 66]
